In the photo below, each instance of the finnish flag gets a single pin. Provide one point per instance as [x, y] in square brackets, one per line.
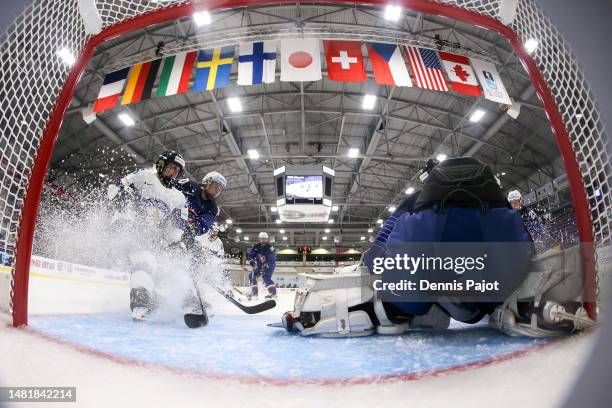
[257, 63]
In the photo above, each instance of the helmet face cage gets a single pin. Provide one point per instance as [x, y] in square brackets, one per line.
[169, 157]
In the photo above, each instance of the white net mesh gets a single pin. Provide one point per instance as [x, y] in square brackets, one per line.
[572, 94]
[32, 76]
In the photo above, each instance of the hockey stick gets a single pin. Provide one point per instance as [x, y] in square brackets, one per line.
[194, 320]
[258, 308]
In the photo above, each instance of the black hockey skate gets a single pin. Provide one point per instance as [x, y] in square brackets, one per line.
[141, 304]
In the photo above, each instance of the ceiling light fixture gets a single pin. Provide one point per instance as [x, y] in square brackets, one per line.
[531, 45]
[127, 119]
[66, 55]
[253, 154]
[477, 115]
[368, 102]
[202, 18]
[234, 104]
[393, 13]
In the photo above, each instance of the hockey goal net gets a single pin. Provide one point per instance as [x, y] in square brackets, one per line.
[36, 87]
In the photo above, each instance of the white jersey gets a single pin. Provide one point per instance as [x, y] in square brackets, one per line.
[160, 202]
[212, 245]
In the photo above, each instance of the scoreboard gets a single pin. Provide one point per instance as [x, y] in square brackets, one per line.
[304, 193]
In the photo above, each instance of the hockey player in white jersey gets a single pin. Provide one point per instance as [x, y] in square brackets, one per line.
[149, 206]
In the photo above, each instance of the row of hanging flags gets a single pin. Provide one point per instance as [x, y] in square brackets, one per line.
[300, 61]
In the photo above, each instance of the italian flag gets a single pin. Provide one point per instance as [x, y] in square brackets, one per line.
[175, 75]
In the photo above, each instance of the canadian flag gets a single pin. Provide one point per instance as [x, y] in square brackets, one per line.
[300, 60]
[460, 74]
[344, 61]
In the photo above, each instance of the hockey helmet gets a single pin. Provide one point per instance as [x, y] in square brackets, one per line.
[263, 235]
[169, 157]
[216, 177]
[514, 195]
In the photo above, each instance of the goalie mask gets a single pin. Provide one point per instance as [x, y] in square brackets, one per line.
[166, 158]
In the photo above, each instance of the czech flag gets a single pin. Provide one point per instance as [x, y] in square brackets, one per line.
[388, 65]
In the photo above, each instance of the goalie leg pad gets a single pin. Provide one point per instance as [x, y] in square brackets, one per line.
[549, 302]
[333, 306]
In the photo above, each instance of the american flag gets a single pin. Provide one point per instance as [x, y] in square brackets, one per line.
[426, 68]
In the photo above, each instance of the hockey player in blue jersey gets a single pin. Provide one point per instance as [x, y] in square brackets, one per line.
[202, 216]
[202, 205]
[262, 257]
[533, 222]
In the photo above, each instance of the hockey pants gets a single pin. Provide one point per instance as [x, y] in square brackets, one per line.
[267, 278]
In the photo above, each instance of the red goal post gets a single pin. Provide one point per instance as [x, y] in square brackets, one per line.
[37, 87]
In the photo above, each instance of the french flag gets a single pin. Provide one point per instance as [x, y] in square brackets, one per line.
[110, 90]
[388, 64]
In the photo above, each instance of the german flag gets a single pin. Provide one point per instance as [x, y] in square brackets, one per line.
[141, 81]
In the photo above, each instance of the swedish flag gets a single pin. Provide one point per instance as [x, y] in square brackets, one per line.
[213, 68]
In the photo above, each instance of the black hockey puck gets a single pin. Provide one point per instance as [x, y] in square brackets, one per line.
[193, 321]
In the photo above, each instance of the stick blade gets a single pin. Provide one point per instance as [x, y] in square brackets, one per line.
[258, 308]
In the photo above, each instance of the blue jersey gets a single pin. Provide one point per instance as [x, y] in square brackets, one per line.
[379, 247]
[533, 223]
[202, 213]
[263, 254]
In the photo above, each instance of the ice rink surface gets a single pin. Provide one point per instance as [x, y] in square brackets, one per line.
[243, 347]
[238, 361]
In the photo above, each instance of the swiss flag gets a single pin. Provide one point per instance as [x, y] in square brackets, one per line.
[460, 74]
[344, 61]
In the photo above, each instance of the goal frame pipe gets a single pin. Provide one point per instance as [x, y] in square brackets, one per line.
[27, 224]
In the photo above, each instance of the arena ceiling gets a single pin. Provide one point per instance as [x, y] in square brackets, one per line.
[308, 123]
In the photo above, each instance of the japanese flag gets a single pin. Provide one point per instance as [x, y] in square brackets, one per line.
[460, 73]
[300, 60]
